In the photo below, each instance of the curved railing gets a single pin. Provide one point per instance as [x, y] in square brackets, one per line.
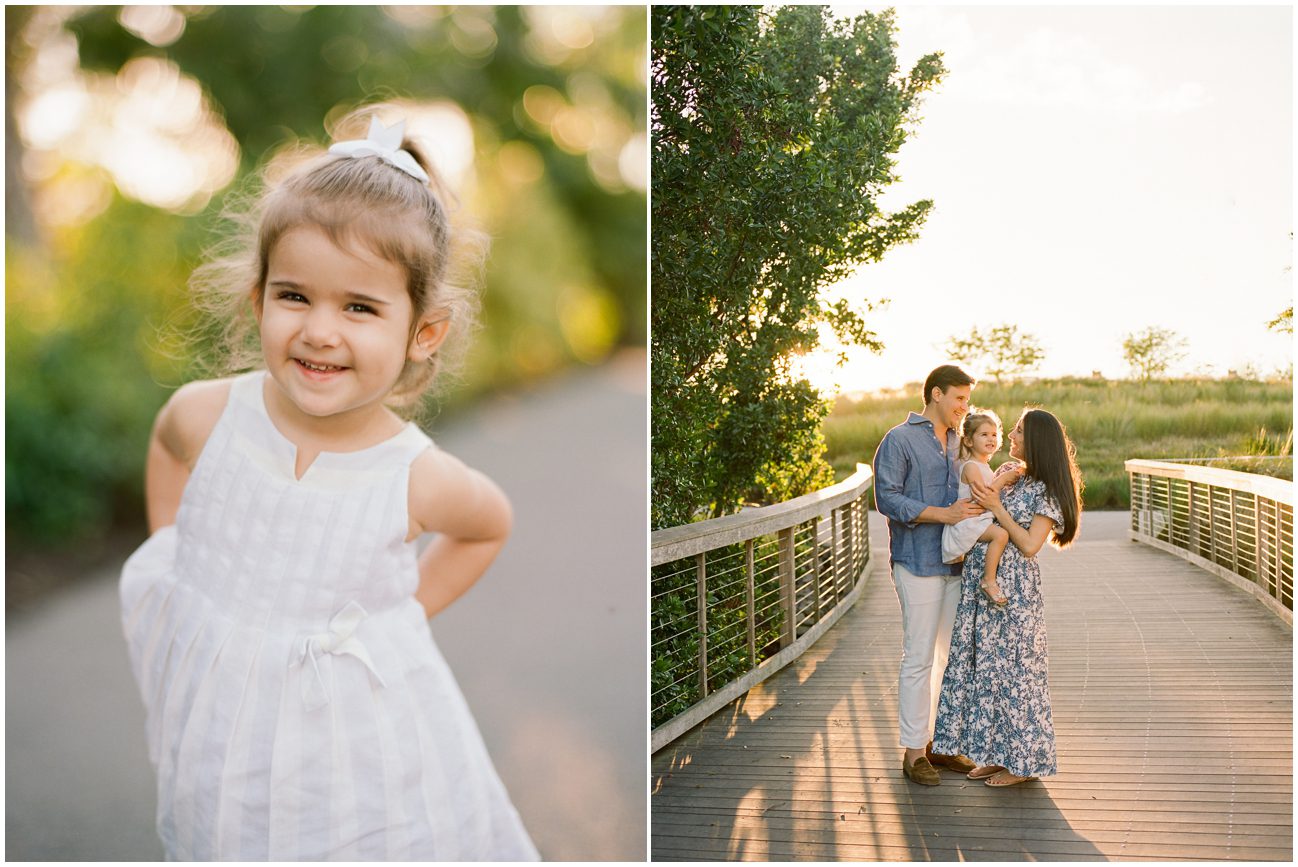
[736, 598]
[1236, 525]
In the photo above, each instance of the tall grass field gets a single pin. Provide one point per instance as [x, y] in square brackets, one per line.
[1241, 424]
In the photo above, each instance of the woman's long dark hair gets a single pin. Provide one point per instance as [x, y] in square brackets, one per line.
[1050, 457]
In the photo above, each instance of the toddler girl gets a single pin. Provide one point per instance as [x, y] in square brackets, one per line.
[277, 617]
[980, 439]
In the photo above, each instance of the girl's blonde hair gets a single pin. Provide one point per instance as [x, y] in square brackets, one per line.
[975, 419]
[353, 200]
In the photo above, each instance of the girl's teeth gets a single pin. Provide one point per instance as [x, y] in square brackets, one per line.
[311, 366]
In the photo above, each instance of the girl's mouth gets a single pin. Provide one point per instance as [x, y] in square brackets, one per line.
[315, 370]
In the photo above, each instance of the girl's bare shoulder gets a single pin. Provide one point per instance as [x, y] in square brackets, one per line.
[189, 415]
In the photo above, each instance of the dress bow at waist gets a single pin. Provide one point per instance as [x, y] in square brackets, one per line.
[339, 640]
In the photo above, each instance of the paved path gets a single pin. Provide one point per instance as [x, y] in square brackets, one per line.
[1172, 696]
[549, 649]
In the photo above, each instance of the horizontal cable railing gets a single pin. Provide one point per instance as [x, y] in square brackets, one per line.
[736, 598]
[1236, 525]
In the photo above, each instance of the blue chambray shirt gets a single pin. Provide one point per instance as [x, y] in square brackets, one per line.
[910, 473]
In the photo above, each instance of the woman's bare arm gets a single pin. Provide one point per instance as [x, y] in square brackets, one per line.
[1029, 541]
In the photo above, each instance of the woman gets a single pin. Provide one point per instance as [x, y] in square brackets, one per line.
[995, 700]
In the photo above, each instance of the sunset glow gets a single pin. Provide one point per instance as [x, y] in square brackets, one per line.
[1094, 170]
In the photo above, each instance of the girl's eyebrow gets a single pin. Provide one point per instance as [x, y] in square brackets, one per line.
[356, 296]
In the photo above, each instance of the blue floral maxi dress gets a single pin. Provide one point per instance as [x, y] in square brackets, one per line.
[995, 701]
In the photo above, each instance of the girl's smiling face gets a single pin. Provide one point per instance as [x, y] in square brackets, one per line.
[986, 440]
[335, 325]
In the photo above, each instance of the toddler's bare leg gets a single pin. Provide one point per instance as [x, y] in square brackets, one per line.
[997, 538]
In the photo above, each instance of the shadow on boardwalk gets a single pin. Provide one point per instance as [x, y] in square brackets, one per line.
[548, 649]
[1172, 704]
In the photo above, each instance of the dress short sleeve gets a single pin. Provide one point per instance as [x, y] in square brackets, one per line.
[1049, 506]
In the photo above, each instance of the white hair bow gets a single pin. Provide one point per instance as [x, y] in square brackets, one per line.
[383, 142]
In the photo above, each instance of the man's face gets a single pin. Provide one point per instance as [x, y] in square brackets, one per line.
[952, 404]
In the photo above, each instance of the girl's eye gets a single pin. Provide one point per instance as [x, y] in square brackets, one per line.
[357, 307]
[294, 297]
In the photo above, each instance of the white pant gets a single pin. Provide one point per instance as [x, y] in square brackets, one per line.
[928, 606]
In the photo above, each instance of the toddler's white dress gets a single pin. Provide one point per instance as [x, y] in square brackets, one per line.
[958, 538]
[297, 707]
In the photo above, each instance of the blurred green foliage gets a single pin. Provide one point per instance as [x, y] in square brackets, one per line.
[84, 363]
[88, 305]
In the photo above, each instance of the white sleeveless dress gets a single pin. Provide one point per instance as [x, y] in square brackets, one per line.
[297, 707]
[958, 538]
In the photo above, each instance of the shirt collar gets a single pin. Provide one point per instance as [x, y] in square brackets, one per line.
[916, 418]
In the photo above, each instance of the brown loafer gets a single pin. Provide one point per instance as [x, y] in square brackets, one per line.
[920, 771]
[961, 764]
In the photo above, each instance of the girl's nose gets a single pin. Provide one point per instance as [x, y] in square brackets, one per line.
[320, 327]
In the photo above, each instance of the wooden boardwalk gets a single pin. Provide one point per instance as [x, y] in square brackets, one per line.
[1172, 697]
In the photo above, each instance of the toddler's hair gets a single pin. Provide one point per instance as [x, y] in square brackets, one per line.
[973, 420]
[353, 200]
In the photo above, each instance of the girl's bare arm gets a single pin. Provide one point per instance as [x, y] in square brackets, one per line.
[1006, 475]
[472, 519]
[179, 433]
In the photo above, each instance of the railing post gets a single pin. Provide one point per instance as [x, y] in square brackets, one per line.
[850, 514]
[1279, 548]
[1192, 526]
[836, 518]
[788, 597]
[817, 573]
[1212, 525]
[1234, 530]
[1260, 560]
[701, 579]
[751, 599]
[864, 509]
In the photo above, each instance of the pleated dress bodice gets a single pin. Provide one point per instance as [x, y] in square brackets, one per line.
[269, 548]
[297, 707]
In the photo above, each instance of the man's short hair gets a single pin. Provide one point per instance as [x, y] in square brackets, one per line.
[945, 377]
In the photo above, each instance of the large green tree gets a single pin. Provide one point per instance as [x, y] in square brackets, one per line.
[773, 137]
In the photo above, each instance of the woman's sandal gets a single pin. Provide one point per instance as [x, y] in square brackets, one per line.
[982, 772]
[1007, 779]
[998, 601]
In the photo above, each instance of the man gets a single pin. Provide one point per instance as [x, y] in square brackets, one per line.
[915, 486]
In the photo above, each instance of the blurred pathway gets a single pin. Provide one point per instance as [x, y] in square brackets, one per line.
[549, 648]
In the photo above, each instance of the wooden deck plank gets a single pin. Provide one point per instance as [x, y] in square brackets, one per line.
[1172, 700]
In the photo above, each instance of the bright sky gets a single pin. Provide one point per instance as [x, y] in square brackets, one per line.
[1095, 170]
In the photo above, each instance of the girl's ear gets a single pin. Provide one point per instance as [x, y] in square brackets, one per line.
[429, 337]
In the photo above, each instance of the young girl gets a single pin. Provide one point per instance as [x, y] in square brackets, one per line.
[277, 617]
[980, 439]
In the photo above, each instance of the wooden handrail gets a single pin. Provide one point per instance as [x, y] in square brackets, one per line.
[1236, 525]
[676, 543]
[1280, 490]
[814, 552]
